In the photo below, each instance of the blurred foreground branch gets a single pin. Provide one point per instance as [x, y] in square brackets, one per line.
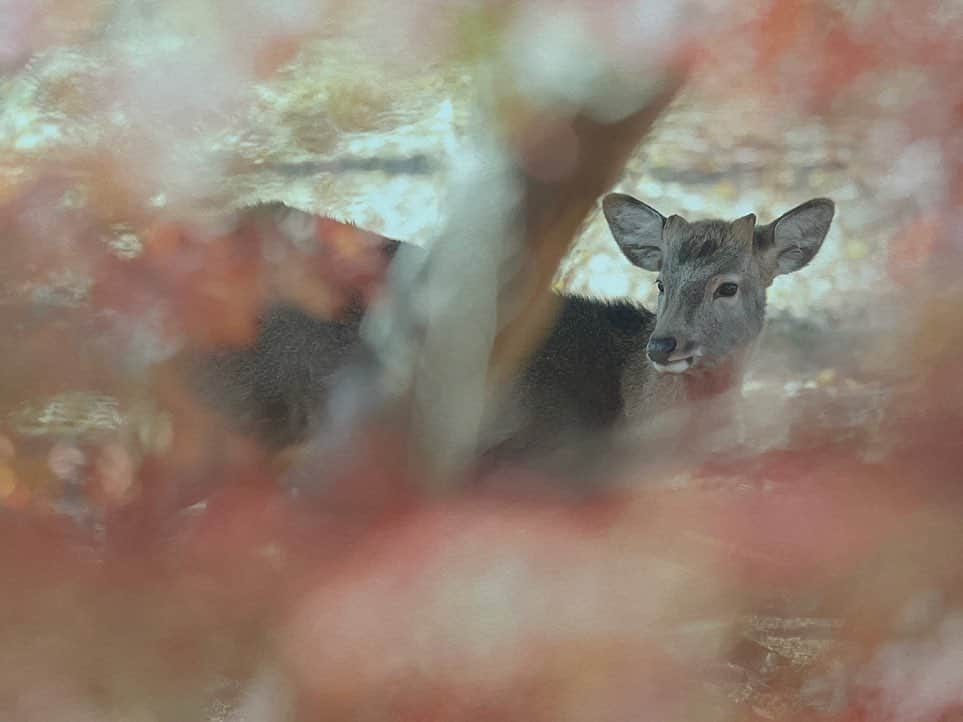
[457, 323]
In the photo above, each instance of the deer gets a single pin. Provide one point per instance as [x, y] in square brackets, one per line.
[605, 365]
[713, 281]
[615, 365]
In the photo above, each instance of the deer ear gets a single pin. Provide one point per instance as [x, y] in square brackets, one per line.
[798, 234]
[637, 228]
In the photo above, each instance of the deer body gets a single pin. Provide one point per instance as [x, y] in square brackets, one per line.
[569, 396]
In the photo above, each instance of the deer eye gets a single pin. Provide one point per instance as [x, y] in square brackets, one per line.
[727, 290]
[660, 286]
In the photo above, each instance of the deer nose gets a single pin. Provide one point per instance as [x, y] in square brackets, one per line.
[661, 348]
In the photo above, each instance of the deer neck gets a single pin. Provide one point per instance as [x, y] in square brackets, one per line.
[709, 383]
[720, 379]
[647, 393]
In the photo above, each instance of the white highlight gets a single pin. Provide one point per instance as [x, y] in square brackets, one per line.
[679, 366]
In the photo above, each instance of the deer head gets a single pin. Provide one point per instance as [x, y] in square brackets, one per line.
[713, 275]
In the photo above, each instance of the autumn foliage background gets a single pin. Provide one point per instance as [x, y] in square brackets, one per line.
[152, 566]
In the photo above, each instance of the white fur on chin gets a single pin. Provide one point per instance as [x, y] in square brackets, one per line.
[673, 367]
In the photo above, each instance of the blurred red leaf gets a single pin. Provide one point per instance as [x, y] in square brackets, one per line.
[462, 611]
[911, 247]
[779, 28]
